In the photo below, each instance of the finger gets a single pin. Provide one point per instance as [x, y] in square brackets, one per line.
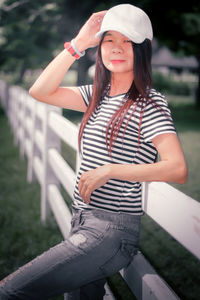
[98, 17]
[81, 183]
[86, 196]
[85, 193]
[101, 13]
[81, 190]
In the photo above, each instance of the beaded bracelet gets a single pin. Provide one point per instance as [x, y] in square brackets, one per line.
[71, 48]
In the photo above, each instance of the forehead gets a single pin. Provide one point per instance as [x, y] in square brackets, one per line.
[116, 34]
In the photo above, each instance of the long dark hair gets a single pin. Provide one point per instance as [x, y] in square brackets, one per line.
[137, 94]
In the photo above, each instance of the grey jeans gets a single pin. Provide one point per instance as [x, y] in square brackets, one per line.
[100, 244]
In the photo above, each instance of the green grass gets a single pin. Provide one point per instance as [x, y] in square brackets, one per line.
[172, 261]
[23, 236]
[187, 121]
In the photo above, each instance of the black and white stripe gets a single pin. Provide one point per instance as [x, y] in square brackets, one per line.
[118, 195]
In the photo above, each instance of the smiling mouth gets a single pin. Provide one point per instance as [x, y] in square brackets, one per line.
[117, 61]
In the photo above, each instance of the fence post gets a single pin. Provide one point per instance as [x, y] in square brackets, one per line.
[51, 140]
[22, 116]
[30, 173]
[14, 118]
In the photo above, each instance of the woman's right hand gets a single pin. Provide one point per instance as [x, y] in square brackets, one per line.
[86, 37]
[47, 87]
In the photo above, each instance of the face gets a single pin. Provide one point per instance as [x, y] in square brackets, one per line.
[117, 53]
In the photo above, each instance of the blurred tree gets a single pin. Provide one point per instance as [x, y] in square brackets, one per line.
[28, 34]
[30, 31]
[176, 25]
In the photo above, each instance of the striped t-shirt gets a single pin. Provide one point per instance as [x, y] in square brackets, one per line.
[119, 195]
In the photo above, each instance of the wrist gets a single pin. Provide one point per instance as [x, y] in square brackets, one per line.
[108, 171]
[114, 171]
[72, 49]
[80, 44]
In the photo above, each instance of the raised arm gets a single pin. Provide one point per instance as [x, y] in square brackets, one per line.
[47, 87]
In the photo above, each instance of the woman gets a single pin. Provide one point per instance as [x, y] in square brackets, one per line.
[126, 123]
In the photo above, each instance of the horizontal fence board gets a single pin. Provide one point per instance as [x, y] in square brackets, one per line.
[176, 212]
[63, 171]
[65, 129]
[61, 212]
[146, 287]
[154, 288]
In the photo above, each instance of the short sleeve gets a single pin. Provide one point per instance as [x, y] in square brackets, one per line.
[86, 92]
[156, 118]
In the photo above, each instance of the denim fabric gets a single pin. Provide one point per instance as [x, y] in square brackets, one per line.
[100, 244]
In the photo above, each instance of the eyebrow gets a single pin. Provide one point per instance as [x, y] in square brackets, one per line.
[107, 34]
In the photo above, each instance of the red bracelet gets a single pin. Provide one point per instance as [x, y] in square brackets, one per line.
[71, 48]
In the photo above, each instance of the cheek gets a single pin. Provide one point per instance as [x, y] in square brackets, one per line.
[104, 55]
[130, 54]
[131, 61]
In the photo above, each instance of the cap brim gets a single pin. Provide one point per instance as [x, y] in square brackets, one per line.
[134, 37]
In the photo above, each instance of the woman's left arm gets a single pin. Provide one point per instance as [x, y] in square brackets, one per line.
[171, 168]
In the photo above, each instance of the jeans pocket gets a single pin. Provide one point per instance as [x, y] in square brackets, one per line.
[120, 258]
[95, 225]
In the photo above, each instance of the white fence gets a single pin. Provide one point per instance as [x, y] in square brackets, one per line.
[38, 130]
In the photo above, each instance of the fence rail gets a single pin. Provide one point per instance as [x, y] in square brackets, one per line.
[38, 129]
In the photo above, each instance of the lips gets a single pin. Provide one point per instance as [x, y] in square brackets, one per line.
[117, 61]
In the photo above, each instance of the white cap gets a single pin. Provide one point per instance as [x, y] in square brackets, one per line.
[129, 20]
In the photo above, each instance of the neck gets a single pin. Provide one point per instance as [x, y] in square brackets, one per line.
[120, 84]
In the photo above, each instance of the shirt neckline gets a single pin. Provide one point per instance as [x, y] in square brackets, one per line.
[118, 95]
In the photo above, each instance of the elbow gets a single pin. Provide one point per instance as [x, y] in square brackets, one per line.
[181, 174]
[32, 92]
[36, 94]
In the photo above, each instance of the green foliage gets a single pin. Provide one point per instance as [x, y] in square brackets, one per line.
[120, 288]
[30, 31]
[28, 34]
[176, 26]
[22, 235]
[166, 84]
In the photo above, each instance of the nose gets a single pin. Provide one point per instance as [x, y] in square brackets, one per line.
[117, 48]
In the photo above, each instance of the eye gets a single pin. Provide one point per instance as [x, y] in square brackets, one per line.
[128, 41]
